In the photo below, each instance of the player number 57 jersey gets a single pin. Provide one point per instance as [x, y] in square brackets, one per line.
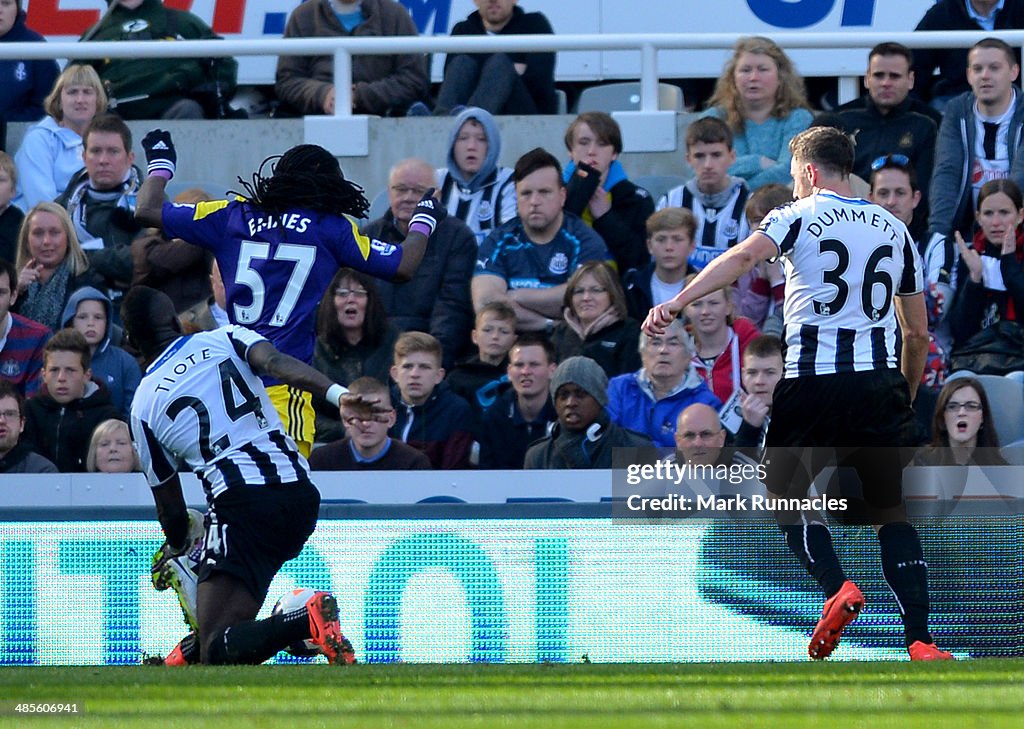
[845, 259]
[201, 407]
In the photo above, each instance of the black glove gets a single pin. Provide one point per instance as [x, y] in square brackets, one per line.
[429, 212]
[580, 188]
[160, 154]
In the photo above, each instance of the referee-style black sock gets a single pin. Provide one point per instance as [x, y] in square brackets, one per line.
[254, 641]
[812, 545]
[906, 573]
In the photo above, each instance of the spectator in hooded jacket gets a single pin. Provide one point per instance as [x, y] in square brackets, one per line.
[501, 83]
[473, 187]
[612, 205]
[60, 419]
[671, 239]
[649, 400]
[23, 84]
[89, 311]
[381, 85]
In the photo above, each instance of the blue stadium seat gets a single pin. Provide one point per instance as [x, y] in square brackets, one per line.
[625, 96]
[1006, 399]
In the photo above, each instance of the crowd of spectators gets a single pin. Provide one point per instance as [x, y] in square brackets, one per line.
[517, 341]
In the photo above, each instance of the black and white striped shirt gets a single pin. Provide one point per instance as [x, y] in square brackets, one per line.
[845, 260]
[718, 229]
[483, 210]
[200, 406]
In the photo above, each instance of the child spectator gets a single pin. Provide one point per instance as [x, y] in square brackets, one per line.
[598, 190]
[761, 292]
[60, 419]
[430, 416]
[719, 340]
[111, 449]
[716, 198]
[670, 241]
[10, 215]
[89, 311]
[480, 378]
[367, 446]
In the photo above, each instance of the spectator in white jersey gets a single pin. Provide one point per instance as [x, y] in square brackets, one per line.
[201, 406]
[716, 198]
[980, 139]
[598, 190]
[854, 279]
[473, 187]
[670, 241]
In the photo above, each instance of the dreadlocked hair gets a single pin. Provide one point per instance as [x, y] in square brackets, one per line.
[306, 176]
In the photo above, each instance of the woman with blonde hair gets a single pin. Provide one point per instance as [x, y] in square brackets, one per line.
[596, 323]
[111, 449]
[50, 263]
[762, 99]
[51, 151]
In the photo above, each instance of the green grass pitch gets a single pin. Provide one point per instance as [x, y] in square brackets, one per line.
[981, 693]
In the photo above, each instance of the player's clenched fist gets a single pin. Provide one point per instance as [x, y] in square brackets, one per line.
[658, 318]
[427, 213]
[161, 157]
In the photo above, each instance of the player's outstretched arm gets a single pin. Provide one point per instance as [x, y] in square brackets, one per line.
[721, 272]
[425, 219]
[913, 318]
[161, 160]
[265, 359]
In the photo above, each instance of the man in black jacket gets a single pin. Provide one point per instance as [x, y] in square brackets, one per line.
[436, 300]
[501, 83]
[888, 120]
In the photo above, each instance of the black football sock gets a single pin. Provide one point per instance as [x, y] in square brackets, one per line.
[906, 573]
[812, 545]
[254, 641]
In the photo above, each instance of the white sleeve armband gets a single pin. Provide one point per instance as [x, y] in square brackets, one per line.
[334, 394]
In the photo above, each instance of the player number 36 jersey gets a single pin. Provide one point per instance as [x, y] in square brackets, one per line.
[200, 406]
[845, 260]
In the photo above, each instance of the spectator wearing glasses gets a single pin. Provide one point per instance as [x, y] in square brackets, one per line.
[963, 431]
[887, 119]
[650, 399]
[15, 455]
[367, 446]
[354, 339]
[436, 300]
[595, 323]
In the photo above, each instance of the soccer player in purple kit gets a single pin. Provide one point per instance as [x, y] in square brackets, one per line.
[279, 246]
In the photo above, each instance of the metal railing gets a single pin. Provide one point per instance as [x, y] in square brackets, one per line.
[647, 44]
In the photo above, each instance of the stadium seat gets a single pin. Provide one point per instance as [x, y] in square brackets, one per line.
[625, 96]
[1006, 399]
[563, 102]
[958, 374]
[442, 500]
[658, 185]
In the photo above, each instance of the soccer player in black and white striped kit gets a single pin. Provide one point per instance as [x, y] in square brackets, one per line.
[201, 406]
[853, 275]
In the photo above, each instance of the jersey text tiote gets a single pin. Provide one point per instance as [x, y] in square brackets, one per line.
[276, 268]
[845, 260]
[201, 406]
